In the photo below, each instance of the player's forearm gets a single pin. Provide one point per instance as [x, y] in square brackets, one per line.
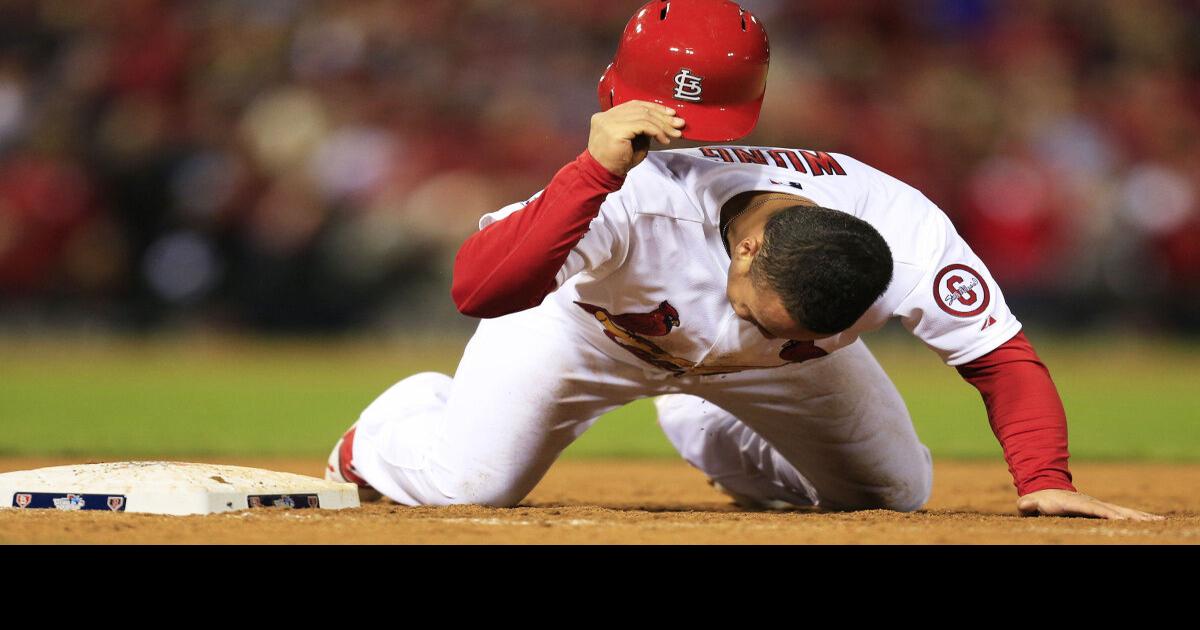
[1025, 413]
[511, 265]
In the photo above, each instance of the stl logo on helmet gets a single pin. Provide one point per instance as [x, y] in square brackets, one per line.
[687, 86]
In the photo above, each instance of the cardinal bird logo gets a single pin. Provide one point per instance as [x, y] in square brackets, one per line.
[629, 330]
[656, 323]
[632, 331]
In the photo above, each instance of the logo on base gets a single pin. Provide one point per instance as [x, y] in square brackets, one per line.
[285, 501]
[70, 502]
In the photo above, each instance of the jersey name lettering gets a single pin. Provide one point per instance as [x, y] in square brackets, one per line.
[814, 162]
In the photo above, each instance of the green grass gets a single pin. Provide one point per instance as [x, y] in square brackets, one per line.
[228, 397]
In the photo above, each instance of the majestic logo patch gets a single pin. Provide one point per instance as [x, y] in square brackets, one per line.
[961, 291]
[687, 86]
[781, 182]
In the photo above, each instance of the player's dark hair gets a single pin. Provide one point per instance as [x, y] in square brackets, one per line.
[828, 267]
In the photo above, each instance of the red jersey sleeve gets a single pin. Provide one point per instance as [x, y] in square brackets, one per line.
[1026, 414]
[511, 265]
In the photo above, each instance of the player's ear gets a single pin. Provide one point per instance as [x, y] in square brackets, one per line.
[747, 247]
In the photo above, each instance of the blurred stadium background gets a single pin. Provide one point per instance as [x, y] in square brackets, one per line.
[226, 225]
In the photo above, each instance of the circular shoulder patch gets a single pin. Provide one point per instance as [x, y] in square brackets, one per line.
[961, 291]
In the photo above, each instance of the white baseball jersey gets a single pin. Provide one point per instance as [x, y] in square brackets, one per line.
[648, 280]
[641, 310]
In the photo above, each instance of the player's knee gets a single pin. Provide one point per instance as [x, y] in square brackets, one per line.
[912, 489]
[484, 489]
[499, 498]
[910, 493]
[906, 492]
[896, 498]
[906, 499]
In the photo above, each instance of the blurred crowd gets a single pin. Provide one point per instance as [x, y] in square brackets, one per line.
[314, 164]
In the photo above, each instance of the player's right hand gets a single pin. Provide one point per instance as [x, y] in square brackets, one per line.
[619, 139]
[1066, 503]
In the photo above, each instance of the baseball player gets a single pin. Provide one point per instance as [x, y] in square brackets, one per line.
[734, 284]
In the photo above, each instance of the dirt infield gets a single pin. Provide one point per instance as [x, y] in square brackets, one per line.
[663, 502]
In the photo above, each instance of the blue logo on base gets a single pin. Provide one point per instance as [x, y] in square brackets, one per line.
[68, 501]
[288, 501]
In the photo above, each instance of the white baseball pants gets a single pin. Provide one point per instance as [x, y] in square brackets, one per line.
[831, 432]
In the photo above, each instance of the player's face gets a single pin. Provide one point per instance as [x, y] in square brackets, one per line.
[763, 308]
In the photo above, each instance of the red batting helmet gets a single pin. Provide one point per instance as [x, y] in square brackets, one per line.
[707, 59]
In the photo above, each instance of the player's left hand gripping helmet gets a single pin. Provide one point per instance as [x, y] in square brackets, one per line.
[707, 59]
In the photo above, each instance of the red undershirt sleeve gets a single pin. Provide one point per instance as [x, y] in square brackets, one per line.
[512, 264]
[1025, 413]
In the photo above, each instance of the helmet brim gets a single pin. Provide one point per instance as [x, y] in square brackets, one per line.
[704, 122]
